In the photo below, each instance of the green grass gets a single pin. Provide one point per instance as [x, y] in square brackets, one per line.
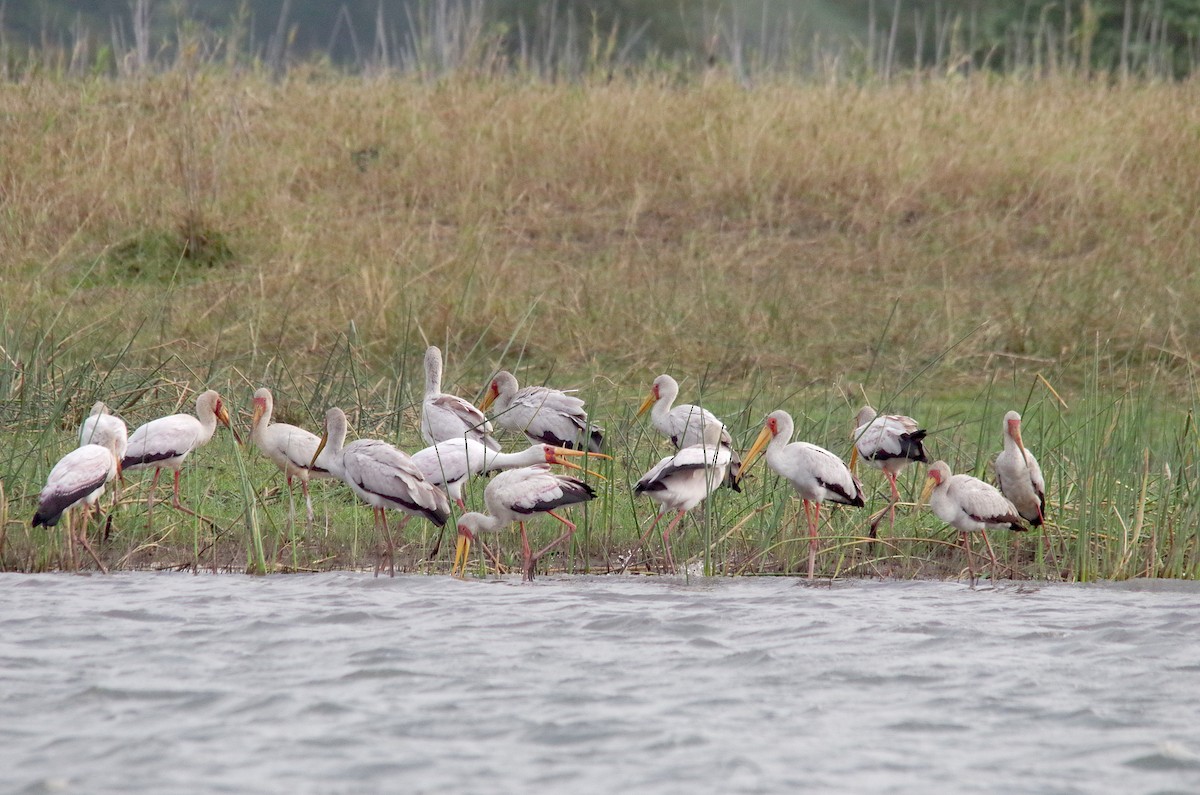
[948, 249]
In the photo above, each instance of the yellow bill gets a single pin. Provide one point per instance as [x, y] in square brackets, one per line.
[760, 444]
[320, 447]
[462, 552]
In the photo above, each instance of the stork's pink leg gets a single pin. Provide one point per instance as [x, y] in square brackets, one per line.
[150, 496]
[83, 539]
[175, 494]
[570, 530]
[526, 556]
[667, 542]
[813, 524]
[991, 552]
[391, 545]
[965, 537]
[379, 546]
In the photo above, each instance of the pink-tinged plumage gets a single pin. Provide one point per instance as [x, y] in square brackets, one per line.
[887, 442]
[814, 472]
[969, 505]
[682, 481]
[290, 448]
[544, 415]
[165, 443]
[515, 496]
[685, 425]
[381, 475]
[445, 417]
[1019, 474]
[77, 481]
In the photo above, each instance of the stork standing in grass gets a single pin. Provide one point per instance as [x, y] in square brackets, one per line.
[682, 481]
[969, 505]
[544, 415]
[514, 496]
[290, 448]
[382, 477]
[444, 416]
[78, 481]
[449, 464]
[1019, 475]
[104, 428]
[165, 443]
[889, 442]
[685, 425]
[817, 474]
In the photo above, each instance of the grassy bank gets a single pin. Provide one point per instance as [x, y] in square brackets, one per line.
[935, 246]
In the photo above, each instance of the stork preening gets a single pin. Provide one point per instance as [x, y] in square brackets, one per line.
[514, 496]
[382, 477]
[1019, 475]
[104, 428]
[290, 448]
[77, 481]
[445, 417]
[888, 442]
[969, 505]
[815, 473]
[165, 443]
[544, 415]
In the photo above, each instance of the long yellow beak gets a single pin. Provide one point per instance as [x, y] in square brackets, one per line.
[646, 404]
[560, 454]
[1020, 444]
[930, 484]
[256, 416]
[488, 399]
[223, 416]
[853, 459]
[760, 444]
[461, 554]
[320, 447]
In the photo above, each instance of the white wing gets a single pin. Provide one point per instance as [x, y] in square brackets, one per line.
[163, 439]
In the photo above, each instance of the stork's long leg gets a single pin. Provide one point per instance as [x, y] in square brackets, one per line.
[570, 530]
[526, 556]
[642, 542]
[83, 539]
[150, 496]
[988, 542]
[813, 524]
[667, 541]
[966, 542]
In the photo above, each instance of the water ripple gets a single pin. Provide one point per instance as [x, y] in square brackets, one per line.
[348, 683]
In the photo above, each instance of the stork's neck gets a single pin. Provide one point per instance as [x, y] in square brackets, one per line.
[528, 457]
[264, 420]
[433, 372]
[208, 423]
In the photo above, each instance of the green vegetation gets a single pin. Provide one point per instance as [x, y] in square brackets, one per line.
[950, 248]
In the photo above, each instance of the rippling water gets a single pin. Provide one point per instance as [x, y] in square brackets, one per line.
[342, 683]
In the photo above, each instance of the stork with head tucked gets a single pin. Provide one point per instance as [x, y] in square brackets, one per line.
[104, 428]
[514, 496]
[969, 505]
[815, 473]
[78, 480]
[445, 417]
[165, 443]
[889, 442]
[685, 425]
[682, 481]
[382, 477]
[544, 415]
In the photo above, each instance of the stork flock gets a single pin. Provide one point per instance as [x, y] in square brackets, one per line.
[462, 445]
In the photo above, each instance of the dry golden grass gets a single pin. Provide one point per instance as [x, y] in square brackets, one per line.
[790, 230]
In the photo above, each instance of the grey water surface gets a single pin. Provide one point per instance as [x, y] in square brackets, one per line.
[343, 683]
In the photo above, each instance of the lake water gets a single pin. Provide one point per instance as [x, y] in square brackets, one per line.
[343, 683]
